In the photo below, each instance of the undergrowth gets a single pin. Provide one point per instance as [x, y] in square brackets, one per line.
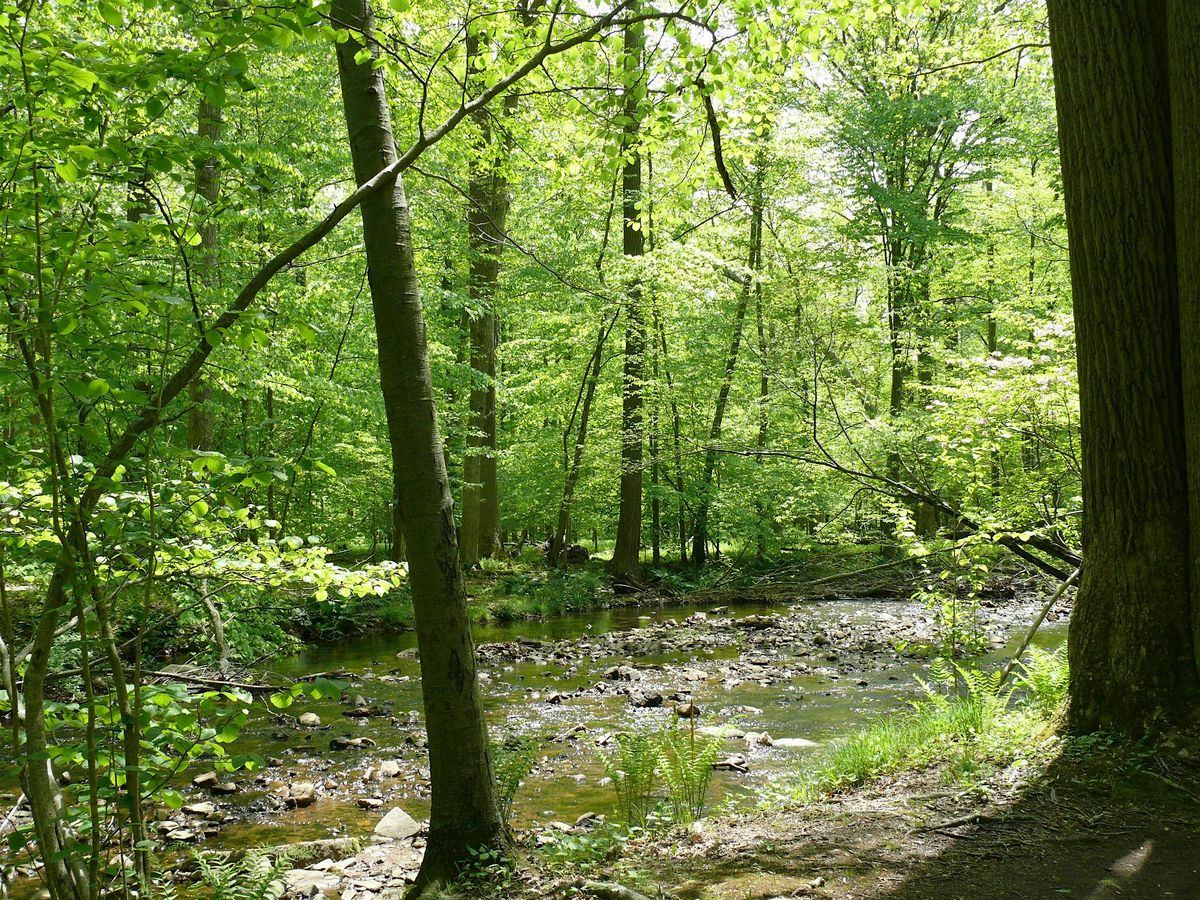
[967, 720]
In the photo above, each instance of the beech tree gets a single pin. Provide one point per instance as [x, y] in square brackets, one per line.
[1128, 87]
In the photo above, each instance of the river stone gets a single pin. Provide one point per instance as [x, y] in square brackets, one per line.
[208, 779]
[397, 825]
[755, 738]
[310, 720]
[227, 788]
[302, 794]
[389, 769]
[721, 731]
[369, 802]
[646, 699]
[200, 809]
[794, 743]
[309, 883]
[181, 836]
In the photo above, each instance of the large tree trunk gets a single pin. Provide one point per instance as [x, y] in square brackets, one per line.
[464, 813]
[1131, 645]
[627, 554]
[1184, 56]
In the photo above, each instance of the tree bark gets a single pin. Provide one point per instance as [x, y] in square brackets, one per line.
[1184, 55]
[627, 554]
[1131, 643]
[464, 813]
[208, 186]
[573, 461]
[487, 212]
[700, 533]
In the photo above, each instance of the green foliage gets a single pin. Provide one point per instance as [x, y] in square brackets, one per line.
[602, 843]
[1045, 676]
[965, 721]
[687, 766]
[633, 767]
[512, 761]
[251, 875]
[526, 594]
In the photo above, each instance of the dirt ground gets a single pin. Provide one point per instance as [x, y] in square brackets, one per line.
[1114, 821]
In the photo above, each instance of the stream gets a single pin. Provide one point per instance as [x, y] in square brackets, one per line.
[803, 673]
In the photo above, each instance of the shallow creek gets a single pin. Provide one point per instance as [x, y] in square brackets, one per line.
[808, 670]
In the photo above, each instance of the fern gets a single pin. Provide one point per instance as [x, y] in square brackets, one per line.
[687, 767]
[250, 876]
[969, 699]
[1045, 676]
[633, 768]
[512, 761]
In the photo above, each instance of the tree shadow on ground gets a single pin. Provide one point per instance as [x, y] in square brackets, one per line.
[1118, 824]
[1116, 821]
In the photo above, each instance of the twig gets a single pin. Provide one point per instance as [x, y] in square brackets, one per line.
[1037, 623]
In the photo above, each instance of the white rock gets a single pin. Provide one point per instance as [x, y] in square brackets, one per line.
[397, 825]
[794, 743]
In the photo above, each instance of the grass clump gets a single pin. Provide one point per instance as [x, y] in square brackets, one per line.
[967, 720]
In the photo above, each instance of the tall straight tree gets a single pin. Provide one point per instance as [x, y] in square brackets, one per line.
[627, 554]
[749, 287]
[1127, 74]
[487, 212]
[465, 814]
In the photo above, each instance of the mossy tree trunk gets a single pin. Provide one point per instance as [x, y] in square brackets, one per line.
[1130, 174]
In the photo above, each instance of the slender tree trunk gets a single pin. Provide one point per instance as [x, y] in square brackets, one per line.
[676, 440]
[487, 212]
[465, 814]
[627, 554]
[200, 414]
[655, 476]
[764, 415]
[1132, 638]
[700, 533]
[208, 186]
[573, 460]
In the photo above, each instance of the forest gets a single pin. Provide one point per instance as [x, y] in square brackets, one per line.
[626, 450]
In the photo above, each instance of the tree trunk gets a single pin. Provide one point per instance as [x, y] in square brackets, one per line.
[627, 554]
[700, 533]
[208, 186]
[1184, 56]
[1131, 644]
[573, 461]
[487, 212]
[676, 440]
[464, 814]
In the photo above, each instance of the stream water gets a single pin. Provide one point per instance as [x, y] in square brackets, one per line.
[808, 670]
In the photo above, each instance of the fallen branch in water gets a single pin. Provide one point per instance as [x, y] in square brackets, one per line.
[249, 687]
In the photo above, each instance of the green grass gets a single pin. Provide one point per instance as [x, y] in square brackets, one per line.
[967, 723]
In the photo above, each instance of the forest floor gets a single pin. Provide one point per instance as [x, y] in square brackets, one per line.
[1094, 820]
